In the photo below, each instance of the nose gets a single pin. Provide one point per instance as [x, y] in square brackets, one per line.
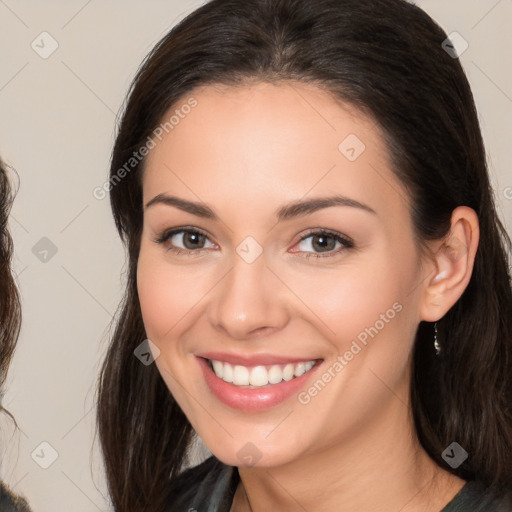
[250, 301]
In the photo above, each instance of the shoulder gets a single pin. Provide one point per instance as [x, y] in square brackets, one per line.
[9, 502]
[209, 482]
[476, 497]
[491, 499]
[496, 500]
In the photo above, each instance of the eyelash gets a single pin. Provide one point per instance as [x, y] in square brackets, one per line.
[345, 241]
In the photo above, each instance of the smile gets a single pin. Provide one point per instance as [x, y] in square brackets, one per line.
[258, 376]
[258, 383]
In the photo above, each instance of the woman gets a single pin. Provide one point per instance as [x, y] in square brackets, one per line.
[10, 318]
[316, 268]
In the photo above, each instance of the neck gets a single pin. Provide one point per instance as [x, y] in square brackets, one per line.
[381, 466]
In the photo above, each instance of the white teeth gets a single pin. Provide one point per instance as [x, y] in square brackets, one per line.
[227, 372]
[288, 372]
[218, 366]
[258, 376]
[240, 376]
[275, 375]
[300, 369]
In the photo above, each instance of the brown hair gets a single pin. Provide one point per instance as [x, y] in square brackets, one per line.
[10, 309]
[386, 58]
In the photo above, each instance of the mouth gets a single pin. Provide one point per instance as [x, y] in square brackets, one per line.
[255, 388]
[253, 377]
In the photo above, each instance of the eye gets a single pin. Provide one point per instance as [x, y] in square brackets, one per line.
[323, 241]
[184, 240]
[191, 241]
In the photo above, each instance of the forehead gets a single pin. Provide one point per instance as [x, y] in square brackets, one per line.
[266, 140]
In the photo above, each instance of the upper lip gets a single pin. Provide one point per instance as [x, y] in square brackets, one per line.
[254, 359]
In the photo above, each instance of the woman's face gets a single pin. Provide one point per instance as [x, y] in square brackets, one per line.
[276, 235]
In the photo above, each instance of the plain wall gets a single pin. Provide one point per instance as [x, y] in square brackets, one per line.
[58, 118]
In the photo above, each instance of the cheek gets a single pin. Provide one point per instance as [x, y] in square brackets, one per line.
[347, 300]
[166, 294]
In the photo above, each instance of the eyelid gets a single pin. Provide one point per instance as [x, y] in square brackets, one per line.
[324, 231]
[343, 239]
[346, 242]
[166, 233]
[169, 233]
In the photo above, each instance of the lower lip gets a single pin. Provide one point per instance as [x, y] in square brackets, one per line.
[256, 399]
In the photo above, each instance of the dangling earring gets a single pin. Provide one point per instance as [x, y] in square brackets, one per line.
[436, 341]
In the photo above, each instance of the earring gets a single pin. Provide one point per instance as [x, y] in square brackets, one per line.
[437, 346]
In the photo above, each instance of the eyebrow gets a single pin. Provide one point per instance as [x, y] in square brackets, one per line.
[288, 211]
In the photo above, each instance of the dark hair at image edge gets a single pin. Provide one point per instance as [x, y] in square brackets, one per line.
[385, 58]
[10, 318]
[10, 308]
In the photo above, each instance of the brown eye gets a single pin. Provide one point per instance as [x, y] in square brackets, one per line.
[319, 242]
[192, 240]
[184, 240]
[323, 243]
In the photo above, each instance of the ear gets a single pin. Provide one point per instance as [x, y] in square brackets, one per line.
[452, 265]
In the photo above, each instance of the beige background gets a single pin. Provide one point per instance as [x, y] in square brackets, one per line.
[57, 126]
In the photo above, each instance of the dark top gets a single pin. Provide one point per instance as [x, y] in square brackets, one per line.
[9, 502]
[218, 483]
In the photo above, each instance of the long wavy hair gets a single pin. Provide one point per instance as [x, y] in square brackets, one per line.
[10, 308]
[386, 58]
